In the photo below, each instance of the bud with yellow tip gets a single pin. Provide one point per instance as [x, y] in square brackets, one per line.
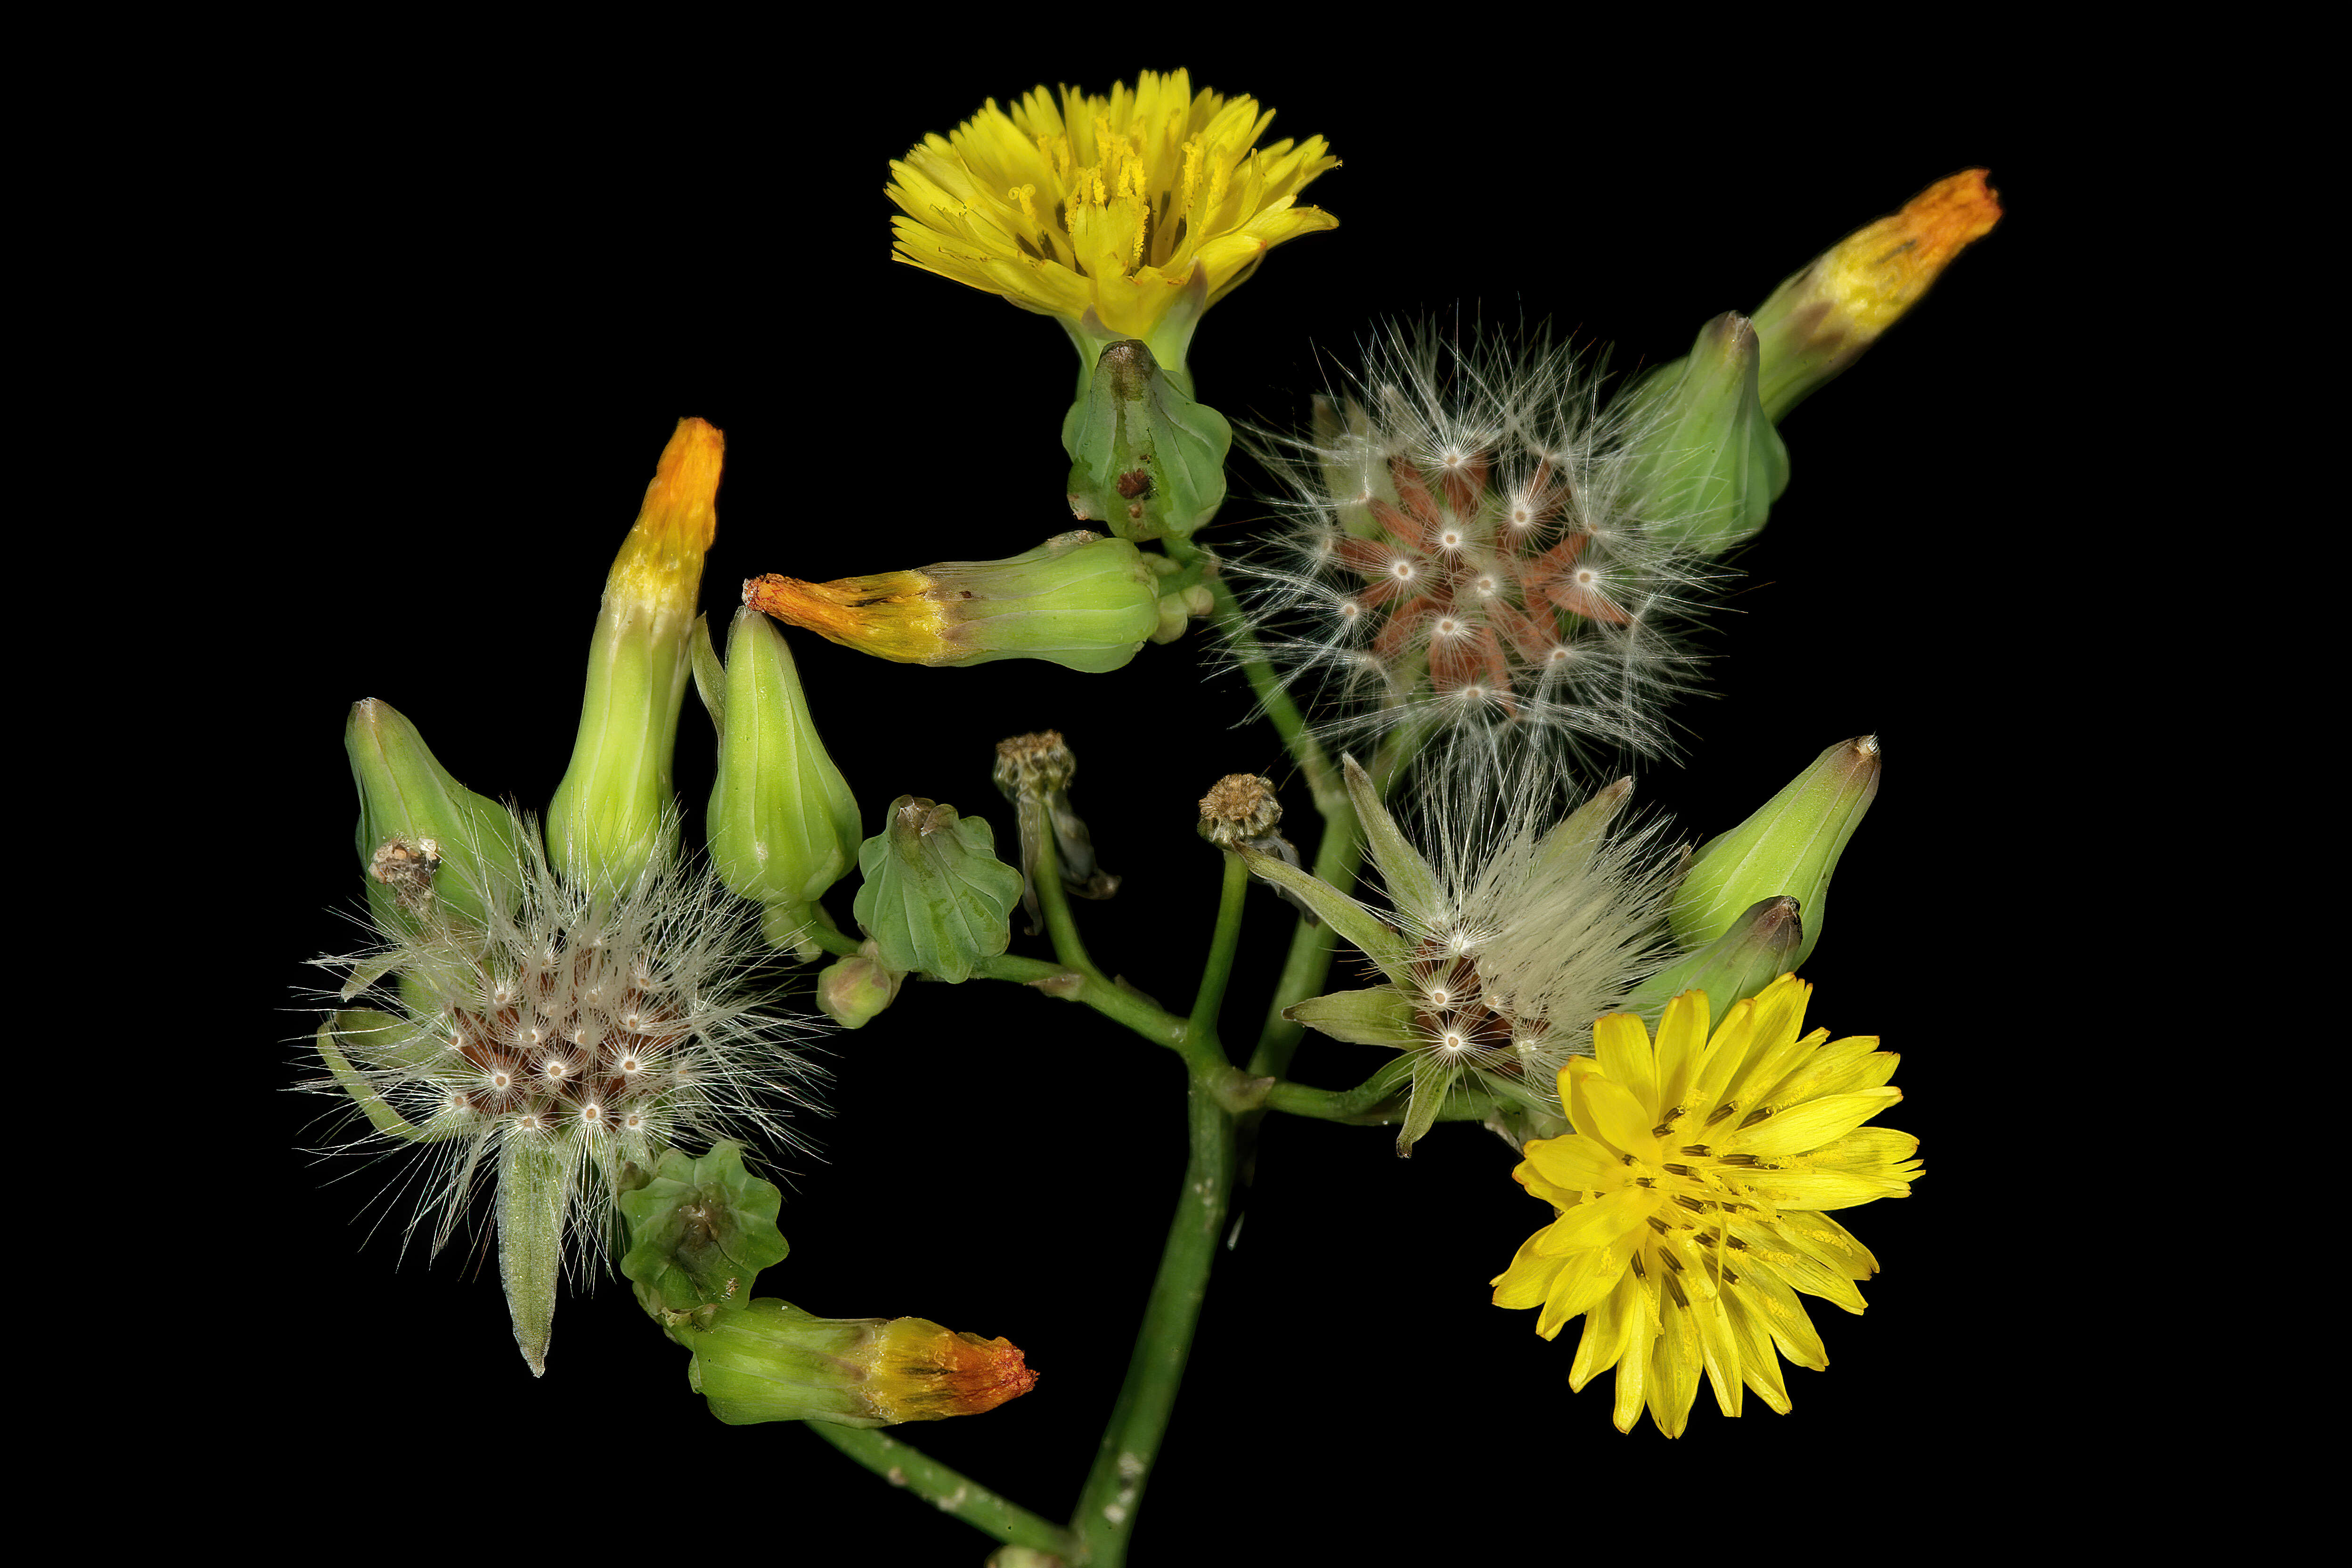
[610, 812]
[1079, 600]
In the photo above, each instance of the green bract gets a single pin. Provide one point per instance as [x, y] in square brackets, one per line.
[1146, 460]
[936, 899]
[783, 825]
[424, 836]
[699, 1231]
[1712, 465]
[1790, 847]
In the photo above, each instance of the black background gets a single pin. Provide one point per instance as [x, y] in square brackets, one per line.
[480, 344]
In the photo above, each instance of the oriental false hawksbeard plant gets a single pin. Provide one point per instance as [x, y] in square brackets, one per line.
[1479, 552]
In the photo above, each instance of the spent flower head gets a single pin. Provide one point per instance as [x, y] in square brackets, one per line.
[1126, 215]
[1473, 554]
[576, 1031]
[1508, 929]
[1689, 1199]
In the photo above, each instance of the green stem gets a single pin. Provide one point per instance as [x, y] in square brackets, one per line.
[1361, 1104]
[1114, 1488]
[948, 1490]
[1222, 947]
[1055, 902]
[1274, 699]
[1308, 965]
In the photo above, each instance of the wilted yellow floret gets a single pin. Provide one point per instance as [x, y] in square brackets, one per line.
[1689, 1199]
[662, 557]
[1875, 274]
[1107, 206]
[890, 614]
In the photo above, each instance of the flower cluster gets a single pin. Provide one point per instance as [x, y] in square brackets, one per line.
[1472, 553]
[1689, 1199]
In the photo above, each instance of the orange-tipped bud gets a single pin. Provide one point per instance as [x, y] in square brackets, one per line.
[1820, 321]
[1077, 600]
[607, 818]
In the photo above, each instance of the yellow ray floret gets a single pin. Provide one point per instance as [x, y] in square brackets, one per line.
[1689, 1199]
[1105, 204]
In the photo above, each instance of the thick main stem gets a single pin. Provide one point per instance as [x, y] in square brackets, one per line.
[1106, 1506]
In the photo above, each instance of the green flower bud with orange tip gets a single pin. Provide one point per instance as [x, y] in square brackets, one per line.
[1790, 847]
[1079, 600]
[610, 810]
[427, 842]
[936, 899]
[783, 825]
[772, 1362]
[1820, 320]
[1145, 459]
[1709, 463]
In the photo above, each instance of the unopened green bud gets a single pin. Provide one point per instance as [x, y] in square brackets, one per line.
[1820, 320]
[1712, 465]
[1790, 847]
[772, 1362]
[1145, 459]
[935, 899]
[1762, 946]
[427, 842]
[612, 810]
[1079, 600]
[783, 826]
[853, 989]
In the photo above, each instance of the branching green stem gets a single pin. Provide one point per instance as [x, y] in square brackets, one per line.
[947, 1489]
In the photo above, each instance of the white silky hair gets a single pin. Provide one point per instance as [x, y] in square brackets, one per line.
[646, 997]
[1525, 421]
[1556, 940]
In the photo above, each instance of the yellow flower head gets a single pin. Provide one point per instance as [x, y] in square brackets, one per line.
[1125, 215]
[1689, 1199]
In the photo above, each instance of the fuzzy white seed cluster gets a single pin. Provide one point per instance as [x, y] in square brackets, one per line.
[1527, 930]
[1469, 553]
[602, 1028]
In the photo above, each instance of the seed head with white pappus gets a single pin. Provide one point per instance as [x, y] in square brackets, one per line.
[1471, 554]
[571, 1033]
[1508, 929]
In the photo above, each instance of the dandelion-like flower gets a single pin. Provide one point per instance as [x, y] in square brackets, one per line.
[546, 1048]
[1472, 552]
[1125, 215]
[1499, 946]
[1689, 1199]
